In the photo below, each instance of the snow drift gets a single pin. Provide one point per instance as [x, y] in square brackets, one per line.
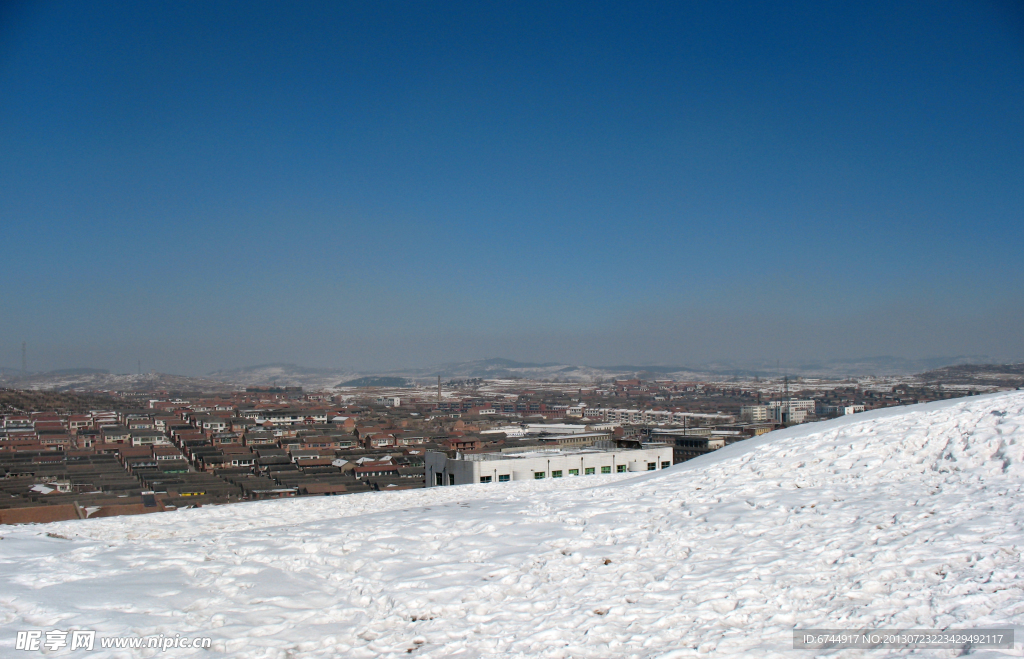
[906, 518]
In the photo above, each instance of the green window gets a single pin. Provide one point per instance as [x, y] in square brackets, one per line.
[503, 478]
[485, 479]
[574, 472]
[556, 474]
[666, 465]
[538, 475]
[588, 471]
[621, 469]
[606, 470]
[651, 466]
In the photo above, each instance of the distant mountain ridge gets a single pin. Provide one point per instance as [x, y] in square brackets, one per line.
[966, 370]
[86, 379]
[284, 375]
[79, 371]
[371, 381]
[1000, 375]
[283, 367]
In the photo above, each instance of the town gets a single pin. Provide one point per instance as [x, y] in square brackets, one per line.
[77, 456]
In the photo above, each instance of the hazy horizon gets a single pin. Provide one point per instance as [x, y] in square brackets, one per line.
[887, 364]
[209, 186]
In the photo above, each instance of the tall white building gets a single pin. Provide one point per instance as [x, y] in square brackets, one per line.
[754, 413]
[790, 411]
[794, 404]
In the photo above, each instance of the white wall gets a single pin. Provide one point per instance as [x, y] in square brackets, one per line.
[470, 471]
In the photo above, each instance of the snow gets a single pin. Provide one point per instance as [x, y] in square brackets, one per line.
[905, 518]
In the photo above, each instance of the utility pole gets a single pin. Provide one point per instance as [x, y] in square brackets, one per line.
[789, 406]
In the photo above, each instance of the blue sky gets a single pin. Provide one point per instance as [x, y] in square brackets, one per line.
[209, 185]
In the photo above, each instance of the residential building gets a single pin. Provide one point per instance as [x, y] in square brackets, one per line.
[755, 413]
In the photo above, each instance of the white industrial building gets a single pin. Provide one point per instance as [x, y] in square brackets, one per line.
[554, 428]
[651, 417]
[537, 464]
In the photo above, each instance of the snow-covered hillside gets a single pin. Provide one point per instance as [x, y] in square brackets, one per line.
[908, 518]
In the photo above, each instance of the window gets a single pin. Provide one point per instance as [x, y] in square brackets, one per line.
[556, 474]
[606, 470]
[439, 479]
[503, 478]
[485, 479]
[621, 469]
[538, 475]
[451, 479]
[651, 466]
[574, 472]
[666, 465]
[588, 471]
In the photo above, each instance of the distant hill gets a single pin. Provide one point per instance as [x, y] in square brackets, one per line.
[502, 368]
[998, 375]
[283, 375]
[965, 370]
[87, 379]
[375, 381]
[276, 367]
[499, 362]
[835, 369]
[495, 368]
[79, 371]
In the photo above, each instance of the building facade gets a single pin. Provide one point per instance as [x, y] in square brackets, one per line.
[539, 464]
